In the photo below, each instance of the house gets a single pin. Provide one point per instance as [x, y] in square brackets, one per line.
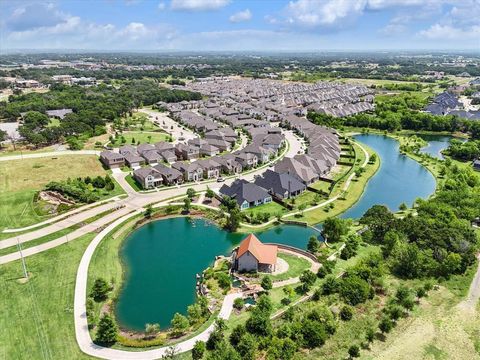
[263, 154]
[208, 150]
[229, 164]
[145, 147]
[127, 149]
[282, 185]
[222, 145]
[476, 165]
[246, 194]
[168, 156]
[169, 175]
[247, 160]
[164, 146]
[112, 159]
[211, 168]
[133, 160]
[148, 177]
[295, 168]
[151, 156]
[190, 171]
[187, 152]
[252, 255]
[59, 114]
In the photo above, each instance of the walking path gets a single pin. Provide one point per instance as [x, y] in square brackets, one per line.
[313, 268]
[473, 296]
[49, 154]
[62, 216]
[80, 314]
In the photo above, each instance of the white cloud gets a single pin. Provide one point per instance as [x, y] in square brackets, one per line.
[450, 33]
[161, 6]
[198, 5]
[318, 13]
[241, 16]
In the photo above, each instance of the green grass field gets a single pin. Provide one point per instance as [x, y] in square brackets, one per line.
[142, 136]
[272, 208]
[21, 179]
[37, 316]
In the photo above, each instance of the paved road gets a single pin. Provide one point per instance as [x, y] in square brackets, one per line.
[80, 316]
[135, 201]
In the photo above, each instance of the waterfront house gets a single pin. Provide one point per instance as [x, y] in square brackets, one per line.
[282, 186]
[246, 194]
[253, 255]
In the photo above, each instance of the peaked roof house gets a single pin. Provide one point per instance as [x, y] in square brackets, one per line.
[112, 159]
[282, 185]
[148, 177]
[295, 168]
[252, 255]
[246, 194]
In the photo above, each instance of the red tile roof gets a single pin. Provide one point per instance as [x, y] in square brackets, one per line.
[265, 254]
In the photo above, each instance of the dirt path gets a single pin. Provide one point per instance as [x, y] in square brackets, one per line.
[473, 296]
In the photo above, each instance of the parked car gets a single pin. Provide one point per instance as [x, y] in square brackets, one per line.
[220, 179]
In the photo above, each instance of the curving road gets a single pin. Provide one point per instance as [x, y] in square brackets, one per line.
[80, 315]
[133, 202]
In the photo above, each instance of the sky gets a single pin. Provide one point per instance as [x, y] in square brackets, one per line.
[240, 25]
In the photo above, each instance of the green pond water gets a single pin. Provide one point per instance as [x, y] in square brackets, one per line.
[162, 257]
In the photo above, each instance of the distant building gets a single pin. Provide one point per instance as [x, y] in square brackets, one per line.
[252, 255]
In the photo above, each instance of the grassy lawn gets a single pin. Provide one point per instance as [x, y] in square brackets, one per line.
[142, 136]
[133, 183]
[308, 198]
[272, 208]
[37, 316]
[296, 265]
[20, 179]
[352, 195]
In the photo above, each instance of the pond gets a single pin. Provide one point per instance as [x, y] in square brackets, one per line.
[162, 258]
[399, 179]
[436, 144]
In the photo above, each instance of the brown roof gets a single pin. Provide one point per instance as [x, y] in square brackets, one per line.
[265, 254]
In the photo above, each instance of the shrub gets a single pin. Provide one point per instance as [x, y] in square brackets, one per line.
[179, 324]
[107, 330]
[100, 290]
[238, 303]
[198, 350]
[314, 334]
[224, 281]
[354, 351]
[346, 313]
[267, 283]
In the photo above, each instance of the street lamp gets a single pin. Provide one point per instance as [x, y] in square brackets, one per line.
[23, 259]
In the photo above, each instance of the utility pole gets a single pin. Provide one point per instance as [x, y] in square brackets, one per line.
[23, 259]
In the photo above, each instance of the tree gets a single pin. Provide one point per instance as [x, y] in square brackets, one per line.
[148, 211]
[403, 207]
[313, 244]
[307, 278]
[198, 350]
[302, 208]
[236, 335]
[370, 334]
[334, 229]
[187, 205]
[238, 303]
[379, 220]
[247, 347]
[107, 330]
[152, 329]
[354, 290]
[330, 285]
[194, 313]
[179, 324]
[314, 333]
[267, 283]
[259, 323]
[210, 194]
[385, 325]
[354, 351]
[100, 290]
[224, 280]
[191, 193]
[216, 337]
[346, 313]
